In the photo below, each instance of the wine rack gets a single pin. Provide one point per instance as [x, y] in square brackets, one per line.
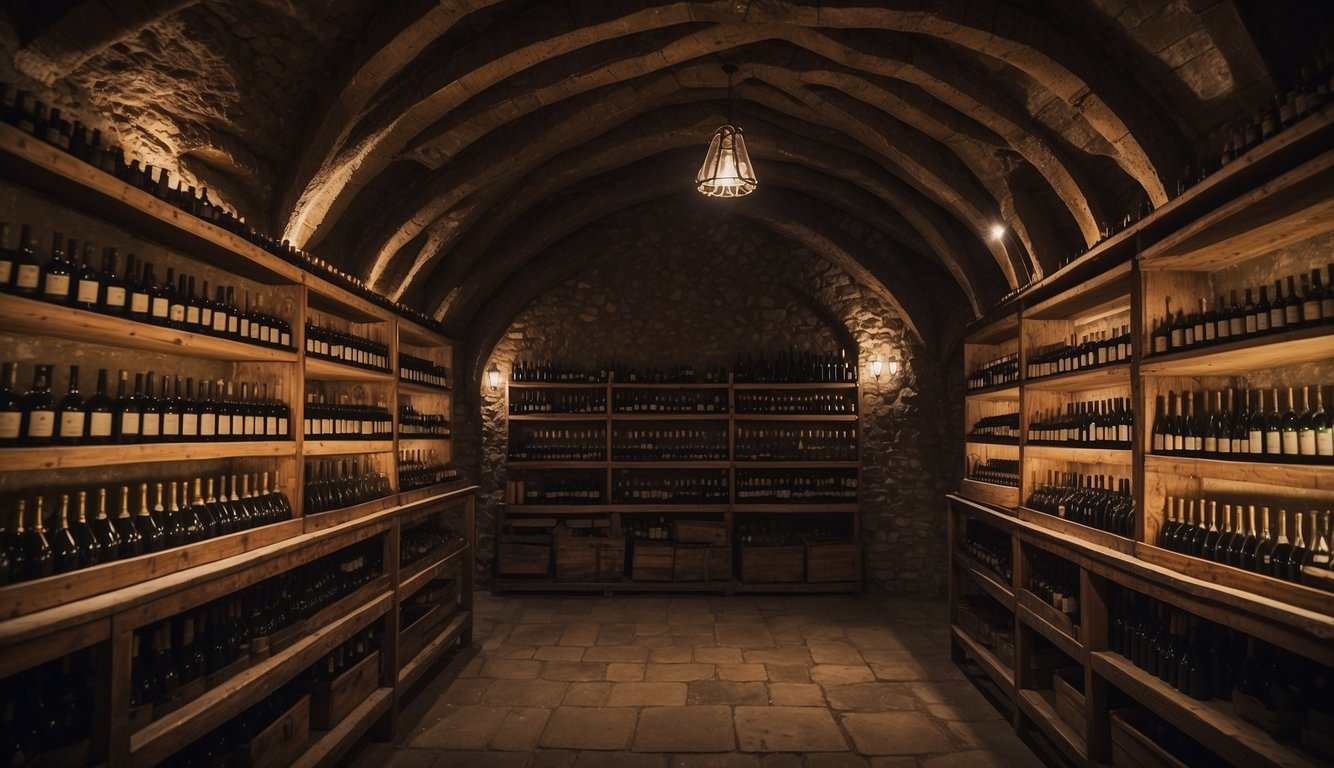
[1213, 444]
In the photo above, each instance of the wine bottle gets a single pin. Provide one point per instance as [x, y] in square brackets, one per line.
[114, 289]
[1249, 546]
[71, 417]
[7, 258]
[1292, 565]
[39, 560]
[1282, 551]
[128, 409]
[11, 407]
[1273, 427]
[102, 527]
[64, 550]
[139, 304]
[57, 273]
[1288, 442]
[101, 414]
[87, 292]
[131, 541]
[85, 539]
[39, 410]
[1264, 549]
[174, 288]
[159, 305]
[1315, 567]
[27, 272]
[1321, 425]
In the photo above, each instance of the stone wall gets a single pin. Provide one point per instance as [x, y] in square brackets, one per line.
[680, 286]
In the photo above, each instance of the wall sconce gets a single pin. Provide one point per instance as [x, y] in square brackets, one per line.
[876, 365]
[493, 376]
[893, 366]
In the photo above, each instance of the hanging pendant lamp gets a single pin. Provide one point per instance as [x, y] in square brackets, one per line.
[727, 171]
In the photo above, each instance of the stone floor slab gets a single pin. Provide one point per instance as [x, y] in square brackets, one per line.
[744, 634]
[624, 672]
[673, 655]
[870, 697]
[621, 653]
[730, 760]
[524, 693]
[742, 672]
[678, 673]
[574, 671]
[647, 694]
[520, 730]
[579, 635]
[511, 669]
[841, 674]
[589, 728]
[586, 694]
[560, 653]
[463, 728]
[788, 729]
[895, 733]
[718, 655]
[827, 652]
[796, 695]
[727, 692]
[788, 673]
[684, 729]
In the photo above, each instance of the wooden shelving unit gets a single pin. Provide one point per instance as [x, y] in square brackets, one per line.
[103, 606]
[1265, 216]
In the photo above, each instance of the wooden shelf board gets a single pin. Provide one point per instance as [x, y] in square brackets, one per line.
[557, 416]
[692, 385]
[1077, 531]
[631, 464]
[999, 331]
[70, 457]
[1001, 674]
[1004, 442]
[337, 300]
[536, 464]
[741, 464]
[416, 575]
[345, 447]
[549, 585]
[417, 335]
[412, 387]
[30, 317]
[795, 417]
[412, 671]
[990, 493]
[327, 370]
[1103, 295]
[1295, 347]
[1292, 208]
[1115, 375]
[997, 393]
[1213, 723]
[694, 416]
[821, 385]
[1075, 454]
[814, 508]
[799, 587]
[984, 578]
[1312, 477]
[421, 494]
[585, 509]
[424, 438]
[1067, 644]
[329, 746]
[557, 385]
[1308, 598]
[170, 733]
[332, 518]
[1040, 707]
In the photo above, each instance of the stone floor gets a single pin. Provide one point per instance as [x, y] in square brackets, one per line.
[702, 682]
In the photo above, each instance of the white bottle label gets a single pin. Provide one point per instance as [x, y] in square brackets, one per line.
[161, 308]
[28, 277]
[208, 424]
[192, 315]
[1324, 443]
[190, 425]
[152, 424]
[1256, 441]
[1306, 442]
[99, 424]
[6, 271]
[220, 322]
[56, 285]
[171, 424]
[1157, 442]
[41, 423]
[225, 426]
[115, 296]
[1289, 443]
[9, 425]
[177, 313]
[139, 303]
[129, 423]
[88, 290]
[1273, 443]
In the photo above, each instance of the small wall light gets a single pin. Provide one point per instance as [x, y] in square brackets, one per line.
[893, 366]
[493, 376]
[876, 366]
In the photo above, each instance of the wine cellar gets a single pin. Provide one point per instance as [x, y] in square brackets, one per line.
[784, 384]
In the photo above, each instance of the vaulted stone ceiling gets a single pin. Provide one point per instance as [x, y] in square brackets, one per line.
[438, 148]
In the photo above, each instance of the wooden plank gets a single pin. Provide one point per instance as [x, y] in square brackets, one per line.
[1109, 292]
[1311, 477]
[799, 416]
[1117, 456]
[996, 393]
[1001, 674]
[1213, 723]
[623, 464]
[1076, 531]
[72, 457]
[414, 668]
[1040, 707]
[556, 385]
[417, 388]
[547, 417]
[802, 509]
[659, 416]
[795, 464]
[1315, 600]
[331, 745]
[319, 369]
[800, 387]
[1088, 378]
[39, 650]
[1259, 353]
[167, 735]
[23, 316]
[1002, 329]
[990, 493]
[345, 447]
[1035, 619]
[419, 574]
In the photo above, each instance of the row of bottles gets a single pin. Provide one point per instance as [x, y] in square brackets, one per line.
[329, 343]
[1284, 109]
[1001, 427]
[1101, 349]
[663, 444]
[1098, 501]
[418, 468]
[1055, 581]
[797, 487]
[231, 743]
[528, 370]
[217, 412]
[796, 367]
[47, 708]
[525, 401]
[1311, 305]
[627, 489]
[677, 374]
[995, 471]
[1194, 424]
[553, 489]
[343, 482]
[991, 548]
[20, 109]
[995, 372]
[419, 370]
[1209, 661]
[796, 403]
[1230, 536]
[346, 421]
[422, 539]
[645, 528]
[558, 444]
[668, 401]
[415, 423]
[1108, 423]
[86, 530]
[138, 295]
[770, 443]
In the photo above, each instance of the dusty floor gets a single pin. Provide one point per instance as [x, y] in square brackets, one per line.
[716, 682]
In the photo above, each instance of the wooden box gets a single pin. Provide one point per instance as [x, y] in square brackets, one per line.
[439, 591]
[580, 558]
[524, 555]
[332, 700]
[833, 561]
[701, 562]
[281, 743]
[652, 561]
[1283, 726]
[1318, 735]
[1042, 666]
[765, 565]
[1068, 683]
[419, 625]
[1131, 748]
[687, 531]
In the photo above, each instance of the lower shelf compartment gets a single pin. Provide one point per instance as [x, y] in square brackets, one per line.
[1040, 708]
[719, 587]
[1001, 674]
[413, 669]
[328, 746]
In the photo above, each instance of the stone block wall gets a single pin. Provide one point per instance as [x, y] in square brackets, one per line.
[672, 286]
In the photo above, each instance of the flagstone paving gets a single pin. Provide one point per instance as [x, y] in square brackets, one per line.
[701, 682]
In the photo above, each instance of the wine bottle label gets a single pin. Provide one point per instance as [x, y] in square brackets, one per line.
[139, 303]
[1159, 344]
[1324, 443]
[1311, 310]
[190, 425]
[129, 423]
[1211, 445]
[171, 424]
[1306, 442]
[1292, 314]
[177, 313]
[6, 271]
[192, 316]
[1273, 443]
[233, 324]
[243, 327]
[99, 424]
[88, 290]
[56, 285]
[1256, 441]
[1326, 304]
[1289, 443]
[115, 296]
[285, 339]
[41, 423]
[1251, 325]
[151, 424]
[208, 424]
[10, 422]
[1158, 442]
[219, 324]
[28, 277]
[224, 426]
[161, 309]
[1262, 322]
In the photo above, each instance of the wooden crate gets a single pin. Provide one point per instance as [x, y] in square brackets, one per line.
[833, 561]
[332, 700]
[1283, 726]
[281, 743]
[1131, 748]
[652, 561]
[1068, 683]
[586, 558]
[701, 562]
[419, 625]
[524, 555]
[765, 565]
[687, 531]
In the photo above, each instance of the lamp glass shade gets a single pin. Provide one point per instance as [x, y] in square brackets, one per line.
[893, 366]
[727, 171]
[876, 366]
[493, 376]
